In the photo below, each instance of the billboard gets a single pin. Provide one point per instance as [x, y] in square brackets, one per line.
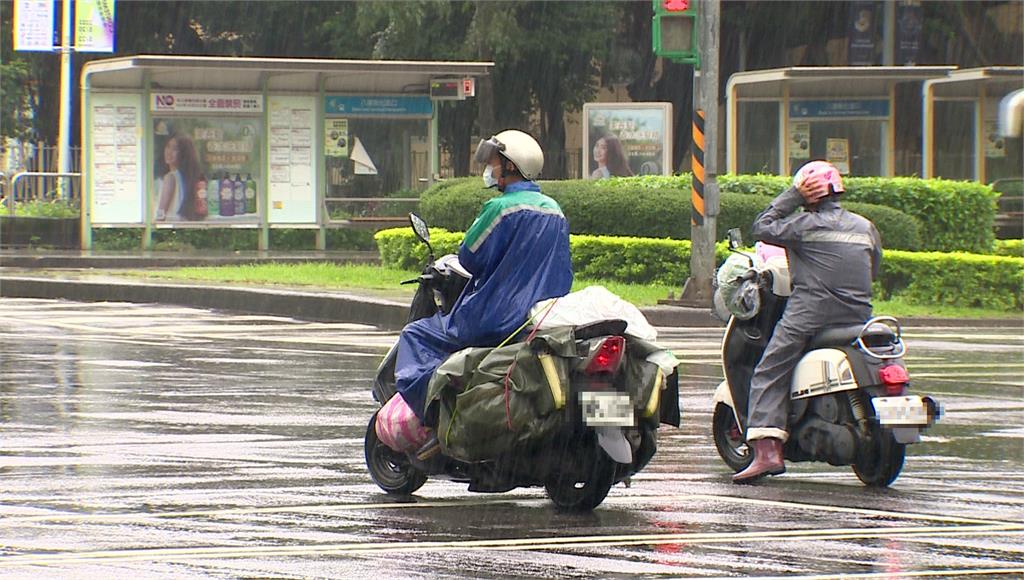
[624, 139]
[206, 169]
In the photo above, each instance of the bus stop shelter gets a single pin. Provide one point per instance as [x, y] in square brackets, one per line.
[778, 119]
[961, 138]
[201, 142]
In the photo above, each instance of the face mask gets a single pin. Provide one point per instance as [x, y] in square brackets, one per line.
[489, 180]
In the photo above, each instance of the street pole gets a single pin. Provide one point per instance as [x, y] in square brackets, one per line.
[64, 127]
[697, 290]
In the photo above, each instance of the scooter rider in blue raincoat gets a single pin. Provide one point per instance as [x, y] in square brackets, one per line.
[517, 250]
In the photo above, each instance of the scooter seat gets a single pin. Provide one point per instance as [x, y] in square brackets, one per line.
[875, 335]
[614, 327]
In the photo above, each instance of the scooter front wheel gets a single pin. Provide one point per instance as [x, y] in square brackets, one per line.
[729, 440]
[389, 469]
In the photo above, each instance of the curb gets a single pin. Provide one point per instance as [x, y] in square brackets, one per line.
[315, 306]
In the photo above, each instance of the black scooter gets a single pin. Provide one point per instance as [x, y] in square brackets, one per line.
[603, 436]
[849, 399]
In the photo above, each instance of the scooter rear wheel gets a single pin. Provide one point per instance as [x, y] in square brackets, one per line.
[882, 464]
[729, 439]
[389, 469]
[584, 481]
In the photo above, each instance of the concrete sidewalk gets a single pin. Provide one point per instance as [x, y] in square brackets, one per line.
[71, 276]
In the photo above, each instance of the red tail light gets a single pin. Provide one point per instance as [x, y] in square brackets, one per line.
[608, 356]
[895, 379]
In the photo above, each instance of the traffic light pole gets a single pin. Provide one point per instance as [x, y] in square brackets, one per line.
[697, 290]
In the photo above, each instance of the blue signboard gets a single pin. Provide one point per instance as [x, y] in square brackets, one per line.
[838, 109]
[379, 106]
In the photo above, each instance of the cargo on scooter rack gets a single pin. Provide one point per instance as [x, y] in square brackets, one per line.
[570, 403]
[849, 401]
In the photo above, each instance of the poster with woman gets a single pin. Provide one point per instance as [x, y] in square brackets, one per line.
[624, 139]
[206, 169]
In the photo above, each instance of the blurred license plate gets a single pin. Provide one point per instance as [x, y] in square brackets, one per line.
[606, 409]
[909, 410]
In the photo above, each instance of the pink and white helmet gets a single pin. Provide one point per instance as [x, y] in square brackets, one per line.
[822, 170]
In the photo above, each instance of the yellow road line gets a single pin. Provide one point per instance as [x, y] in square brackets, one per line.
[902, 574]
[623, 499]
[508, 544]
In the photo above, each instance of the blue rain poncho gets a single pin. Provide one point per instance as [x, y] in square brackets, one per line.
[518, 253]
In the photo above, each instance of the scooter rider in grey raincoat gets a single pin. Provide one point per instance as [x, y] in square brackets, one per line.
[833, 257]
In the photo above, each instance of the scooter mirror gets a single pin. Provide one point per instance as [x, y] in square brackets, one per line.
[420, 227]
[735, 239]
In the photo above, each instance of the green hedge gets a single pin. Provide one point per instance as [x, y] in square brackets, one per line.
[641, 207]
[955, 279]
[229, 240]
[925, 278]
[1009, 248]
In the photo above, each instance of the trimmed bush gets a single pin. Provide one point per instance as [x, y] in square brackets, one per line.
[400, 248]
[649, 207]
[955, 279]
[925, 278]
[1013, 248]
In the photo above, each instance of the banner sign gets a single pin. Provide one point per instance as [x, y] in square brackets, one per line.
[861, 39]
[33, 25]
[205, 103]
[909, 19]
[623, 139]
[838, 109]
[385, 106]
[94, 26]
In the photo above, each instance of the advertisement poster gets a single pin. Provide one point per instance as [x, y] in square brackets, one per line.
[33, 25]
[336, 137]
[800, 140]
[290, 154]
[838, 154]
[116, 170]
[995, 144]
[624, 139]
[206, 169]
[94, 26]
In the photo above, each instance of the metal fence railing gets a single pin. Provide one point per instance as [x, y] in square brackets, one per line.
[28, 186]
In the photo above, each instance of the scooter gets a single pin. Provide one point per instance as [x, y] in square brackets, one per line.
[603, 435]
[849, 399]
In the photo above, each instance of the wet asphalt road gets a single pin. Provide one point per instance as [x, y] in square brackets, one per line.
[166, 442]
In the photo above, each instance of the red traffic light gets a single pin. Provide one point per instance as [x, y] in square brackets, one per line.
[676, 5]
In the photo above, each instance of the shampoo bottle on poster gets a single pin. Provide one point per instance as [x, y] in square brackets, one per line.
[250, 194]
[239, 190]
[202, 205]
[213, 196]
[227, 197]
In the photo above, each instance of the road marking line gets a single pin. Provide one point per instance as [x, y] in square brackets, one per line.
[899, 574]
[507, 544]
[840, 509]
[329, 508]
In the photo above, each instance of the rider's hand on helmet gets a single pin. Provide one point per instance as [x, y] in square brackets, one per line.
[813, 188]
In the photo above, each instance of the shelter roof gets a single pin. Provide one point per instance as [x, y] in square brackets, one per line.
[220, 73]
[836, 82]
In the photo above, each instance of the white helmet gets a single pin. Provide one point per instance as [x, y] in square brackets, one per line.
[517, 147]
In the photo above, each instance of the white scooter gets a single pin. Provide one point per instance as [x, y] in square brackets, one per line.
[849, 403]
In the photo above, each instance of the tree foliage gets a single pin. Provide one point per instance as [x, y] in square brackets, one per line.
[550, 57]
